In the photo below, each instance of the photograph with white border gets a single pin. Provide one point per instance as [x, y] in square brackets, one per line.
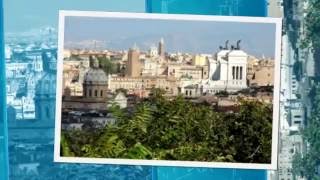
[168, 90]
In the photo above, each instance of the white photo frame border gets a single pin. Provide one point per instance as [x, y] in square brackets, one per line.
[276, 93]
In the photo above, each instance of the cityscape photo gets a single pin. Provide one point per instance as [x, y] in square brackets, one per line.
[178, 90]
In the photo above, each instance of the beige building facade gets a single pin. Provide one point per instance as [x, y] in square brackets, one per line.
[262, 73]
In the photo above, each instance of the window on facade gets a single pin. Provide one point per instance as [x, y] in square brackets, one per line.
[96, 93]
[291, 151]
[240, 73]
[47, 112]
[39, 113]
[237, 72]
[186, 93]
[190, 93]
[90, 93]
[233, 72]
[101, 93]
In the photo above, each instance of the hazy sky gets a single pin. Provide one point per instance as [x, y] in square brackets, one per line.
[25, 15]
[184, 36]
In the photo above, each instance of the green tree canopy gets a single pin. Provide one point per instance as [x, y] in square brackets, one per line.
[178, 129]
[107, 65]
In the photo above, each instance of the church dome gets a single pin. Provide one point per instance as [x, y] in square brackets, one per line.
[46, 86]
[95, 75]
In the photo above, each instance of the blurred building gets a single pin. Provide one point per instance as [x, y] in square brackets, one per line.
[199, 60]
[141, 86]
[178, 71]
[121, 100]
[46, 91]
[262, 73]
[275, 8]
